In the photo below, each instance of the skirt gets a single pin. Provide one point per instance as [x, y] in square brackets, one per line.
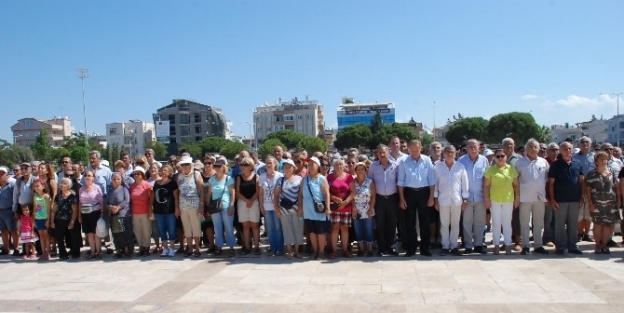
[27, 238]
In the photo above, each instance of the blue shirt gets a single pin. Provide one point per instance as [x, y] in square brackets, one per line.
[401, 157]
[475, 171]
[6, 196]
[315, 185]
[587, 161]
[567, 186]
[236, 170]
[221, 190]
[416, 174]
[385, 178]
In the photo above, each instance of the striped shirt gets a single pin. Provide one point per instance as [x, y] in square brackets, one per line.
[289, 189]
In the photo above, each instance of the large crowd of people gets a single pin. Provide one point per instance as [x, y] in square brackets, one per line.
[537, 198]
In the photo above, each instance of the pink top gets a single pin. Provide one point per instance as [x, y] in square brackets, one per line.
[340, 188]
[26, 224]
[139, 197]
[92, 196]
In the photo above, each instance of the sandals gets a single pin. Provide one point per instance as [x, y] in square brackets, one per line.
[347, 254]
[257, 251]
[331, 256]
[217, 252]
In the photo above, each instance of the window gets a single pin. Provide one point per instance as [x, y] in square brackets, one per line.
[198, 129]
[299, 117]
[279, 127]
[185, 119]
[172, 140]
[259, 130]
[279, 118]
[307, 116]
[127, 140]
[172, 130]
[112, 131]
[185, 131]
[28, 124]
[289, 117]
[197, 118]
[269, 128]
[198, 138]
[172, 118]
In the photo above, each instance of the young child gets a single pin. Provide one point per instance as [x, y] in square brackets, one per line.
[27, 233]
[42, 203]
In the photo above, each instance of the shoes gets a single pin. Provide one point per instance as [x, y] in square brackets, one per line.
[369, 254]
[612, 244]
[525, 251]
[560, 252]
[605, 251]
[587, 238]
[409, 254]
[181, 250]
[360, 254]
[597, 251]
[517, 248]
[508, 250]
[444, 252]
[116, 256]
[188, 253]
[468, 251]
[425, 253]
[488, 229]
[392, 252]
[455, 252]
[347, 254]
[496, 250]
[550, 244]
[197, 254]
[16, 252]
[4, 252]
[575, 251]
[480, 250]
[165, 252]
[172, 253]
[379, 254]
[540, 250]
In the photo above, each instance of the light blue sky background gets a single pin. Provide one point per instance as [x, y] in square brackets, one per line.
[480, 58]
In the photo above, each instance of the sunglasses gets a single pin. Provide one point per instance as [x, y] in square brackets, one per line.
[217, 165]
[207, 163]
[298, 162]
[500, 156]
[245, 165]
[139, 162]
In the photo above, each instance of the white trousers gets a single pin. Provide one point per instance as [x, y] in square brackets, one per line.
[502, 214]
[449, 225]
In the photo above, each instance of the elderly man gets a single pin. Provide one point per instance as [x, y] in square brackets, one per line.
[435, 152]
[565, 179]
[450, 198]
[586, 157]
[533, 174]
[395, 150]
[416, 183]
[384, 173]
[513, 157]
[102, 173]
[475, 213]
[66, 165]
[8, 226]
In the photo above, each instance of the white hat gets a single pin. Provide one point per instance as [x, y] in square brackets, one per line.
[315, 160]
[105, 163]
[289, 162]
[487, 152]
[186, 160]
[4, 169]
[139, 169]
[576, 150]
[198, 165]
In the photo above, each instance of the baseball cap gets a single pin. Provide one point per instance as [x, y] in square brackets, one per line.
[4, 169]
[487, 152]
[315, 160]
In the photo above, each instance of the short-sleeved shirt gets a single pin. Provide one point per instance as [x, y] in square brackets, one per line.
[42, 209]
[140, 197]
[268, 186]
[164, 200]
[340, 188]
[315, 185]
[289, 189]
[221, 190]
[93, 196]
[533, 177]
[501, 182]
[567, 187]
[64, 208]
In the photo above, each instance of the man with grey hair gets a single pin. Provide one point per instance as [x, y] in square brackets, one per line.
[435, 152]
[552, 151]
[533, 175]
[565, 179]
[450, 198]
[512, 157]
[474, 216]
[384, 173]
[102, 173]
[586, 157]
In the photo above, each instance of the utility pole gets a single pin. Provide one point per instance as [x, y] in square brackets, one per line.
[83, 73]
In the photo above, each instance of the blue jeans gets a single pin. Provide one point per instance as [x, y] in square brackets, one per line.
[166, 227]
[274, 228]
[222, 221]
[364, 229]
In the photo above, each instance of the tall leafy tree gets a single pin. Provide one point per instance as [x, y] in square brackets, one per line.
[544, 134]
[288, 137]
[212, 144]
[377, 123]
[518, 125]
[466, 128]
[160, 149]
[353, 136]
[313, 144]
[192, 148]
[13, 154]
[387, 131]
[232, 148]
[267, 146]
[42, 148]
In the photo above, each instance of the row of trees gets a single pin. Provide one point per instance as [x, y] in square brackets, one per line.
[518, 125]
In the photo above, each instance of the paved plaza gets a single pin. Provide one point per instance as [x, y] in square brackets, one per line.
[475, 283]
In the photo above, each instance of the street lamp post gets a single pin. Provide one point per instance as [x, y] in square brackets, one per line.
[617, 96]
[82, 74]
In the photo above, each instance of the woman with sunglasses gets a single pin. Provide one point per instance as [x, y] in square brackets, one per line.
[325, 167]
[248, 206]
[300, 165]
[315, 189]
[90, 203]
[285, 200]
[165, 202]
[154, 175]
[501, 190]
[221, 188]
[141, 199]
[141, 160]
[207, 225]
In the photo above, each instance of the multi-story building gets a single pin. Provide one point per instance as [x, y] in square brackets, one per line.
[615, 130]
[350, 113]
[305, 117]
[131, 136]
[561, 132]
[189, 120]
[417, 127]
[439, 134]
[596, 129]
[26, 130]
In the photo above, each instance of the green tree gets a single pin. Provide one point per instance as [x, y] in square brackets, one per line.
[267, 146]
[11, 154]
[192, 148]
[160, 149]
[313, 144]
[79, 153]
[58, 153]
[466, 128]
[353, 136]
[115, 152]
[42, 148]
[376, 123]
[518, 125]
[288, 137]
[425, 138]
[387, 131]
[212, 144]
[232, 148]
[544, 134]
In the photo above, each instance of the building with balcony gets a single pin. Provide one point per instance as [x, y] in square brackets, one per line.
[26, 130]
[596, 129]
[351, 113]
[615, 130]
[190, 120]
[131, 136]
[560, 133]
[305, 117]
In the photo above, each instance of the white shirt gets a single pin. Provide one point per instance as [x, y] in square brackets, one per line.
[451, 184]
[533, 177]
[268, 188]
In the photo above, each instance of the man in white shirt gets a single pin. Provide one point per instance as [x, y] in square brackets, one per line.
[395, 150]
[533, 172]
[451, 198]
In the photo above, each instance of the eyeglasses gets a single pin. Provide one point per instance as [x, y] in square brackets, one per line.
[500, 156]
[298, 162]
[584, 141]
[207, 163]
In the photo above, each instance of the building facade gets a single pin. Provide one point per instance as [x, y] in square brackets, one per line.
[439, 134]
[131, 136]
[596, 129]
[561, 132]
[615, 130]
[305, 117]
[190, 120]
[26, 130]
[351, 113]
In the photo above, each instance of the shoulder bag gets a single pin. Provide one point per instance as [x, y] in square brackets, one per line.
[214, 206]
[319, 206]
[286, 203]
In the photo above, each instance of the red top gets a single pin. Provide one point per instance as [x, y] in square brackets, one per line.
[341, 188]
[139, 197]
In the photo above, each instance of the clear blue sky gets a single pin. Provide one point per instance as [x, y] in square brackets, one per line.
[480, 58]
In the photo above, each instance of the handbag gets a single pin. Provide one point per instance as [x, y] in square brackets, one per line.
[319, 206]
[117, 224]
[214, 206]
[286, 203]
[86, 208]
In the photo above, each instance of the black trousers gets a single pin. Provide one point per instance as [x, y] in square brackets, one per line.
[386, 209]
[417, 205]
[67, 238]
